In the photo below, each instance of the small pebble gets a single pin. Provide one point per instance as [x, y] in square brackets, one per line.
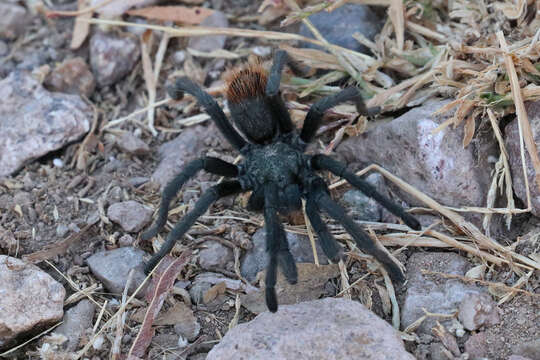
[61, 230]
[58, 163]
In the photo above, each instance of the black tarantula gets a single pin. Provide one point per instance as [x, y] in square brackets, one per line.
[276, 170]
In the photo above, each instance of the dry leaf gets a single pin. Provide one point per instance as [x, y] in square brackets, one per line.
[80, 28]
[214, 292]
[468, 130]
[476, 272]
[181, 14]
[168, 270]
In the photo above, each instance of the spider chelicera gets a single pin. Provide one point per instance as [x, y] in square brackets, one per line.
[276, 170]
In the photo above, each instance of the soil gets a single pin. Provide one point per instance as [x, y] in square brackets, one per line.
[53, 198]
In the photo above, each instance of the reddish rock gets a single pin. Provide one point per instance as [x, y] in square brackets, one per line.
[31, 299]
[478, 310]
[113, 56]
[73, 76]
[34, 121]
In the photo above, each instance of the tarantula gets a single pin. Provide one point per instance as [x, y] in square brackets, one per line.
[276, 170]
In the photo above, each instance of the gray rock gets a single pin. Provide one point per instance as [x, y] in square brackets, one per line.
[198, 288]
[62, 230]
[338, 26]
[211, 42]
[476, 346]
[4, 49]
[30, 299]
[132, 144]
[514, 156]
[256, 259]
[72, 76]
[363, 207]
[75, 323]
[126, 240]
[437, 351]
[441, 296]
[112, 56]
[178, 152]
[319, 329]
[130, 215]
[312, 280]
[186, 324]
[215, 254]
[529, 349]
[34, 121]
[13, 20]
[518, 357]
[112, 268]
[478, 310]
[437, 164]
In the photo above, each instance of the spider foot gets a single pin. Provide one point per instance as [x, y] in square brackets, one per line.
[271, 299]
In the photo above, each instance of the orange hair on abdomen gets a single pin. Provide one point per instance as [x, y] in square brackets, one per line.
[246, 82]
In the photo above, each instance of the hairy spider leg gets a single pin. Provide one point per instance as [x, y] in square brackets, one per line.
[328, 243]
[362, 240]
[316, 111]
[184, 84]
[281, 113]
[210, 164]
[277, 248]
[324, 162]
[201, 206]
[256, 200]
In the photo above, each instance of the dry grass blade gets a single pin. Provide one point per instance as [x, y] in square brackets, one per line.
[469, 130]
[309, 230]
[189, 31]
[20, 346]
[165, 280]
[182, 14]
[393, 300]
[468, 228]
[425, 31]
[345, 286]
[523, 120]
[149, 77]
[506, 167]
[520, 283]
[81, 29]
[121, 319]
[56, 249]
[396, 14]
[481, 282]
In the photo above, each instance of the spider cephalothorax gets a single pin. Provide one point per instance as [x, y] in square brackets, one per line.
[276, 170]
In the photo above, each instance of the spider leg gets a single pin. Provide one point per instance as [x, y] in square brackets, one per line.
[323, 162]
[277, 248]
[201, 206]
[256, 200]
[328, 242]
[362, 240]
[316, 111]
[184, 84]
[272, 92]
[210, 164]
